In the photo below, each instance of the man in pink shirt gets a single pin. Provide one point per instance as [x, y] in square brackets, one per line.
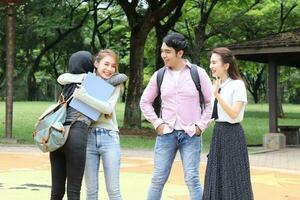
[181, 122]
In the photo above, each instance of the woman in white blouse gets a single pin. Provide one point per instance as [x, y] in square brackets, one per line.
[227, 173]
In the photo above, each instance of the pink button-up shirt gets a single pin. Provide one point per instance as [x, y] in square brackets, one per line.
[179, 101]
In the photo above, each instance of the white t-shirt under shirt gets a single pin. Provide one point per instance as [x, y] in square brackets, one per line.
[231, 92]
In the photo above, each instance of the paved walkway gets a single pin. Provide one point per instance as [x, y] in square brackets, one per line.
[25, 174]
[286, 160]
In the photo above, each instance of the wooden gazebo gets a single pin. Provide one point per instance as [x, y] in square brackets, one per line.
[282, 49]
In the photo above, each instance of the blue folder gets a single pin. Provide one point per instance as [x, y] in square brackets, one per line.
[97, 88]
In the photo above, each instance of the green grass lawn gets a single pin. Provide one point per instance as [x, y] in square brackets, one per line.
[255, 123]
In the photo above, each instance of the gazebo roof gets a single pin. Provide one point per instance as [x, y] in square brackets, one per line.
[284, 47]
[276, 49]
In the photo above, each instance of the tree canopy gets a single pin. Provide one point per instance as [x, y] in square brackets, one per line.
[48, 33]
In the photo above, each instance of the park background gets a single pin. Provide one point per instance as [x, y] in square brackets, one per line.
[46, 34]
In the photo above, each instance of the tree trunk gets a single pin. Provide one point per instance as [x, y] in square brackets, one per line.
[255, 97]
[280, 113]
[31, 86]
[159, 63]
[205, 10]
[2, 75]
[10, 61]
[160, 33]
[279, 107]
[141, 21]
[257, 85]
[132, 117]
[198, 44]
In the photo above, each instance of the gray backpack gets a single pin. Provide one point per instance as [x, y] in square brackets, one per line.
[50, 132]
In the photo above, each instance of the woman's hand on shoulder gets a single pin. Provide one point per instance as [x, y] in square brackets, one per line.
[83, 76]
[68, 78]
[117, 78]
[80, 92]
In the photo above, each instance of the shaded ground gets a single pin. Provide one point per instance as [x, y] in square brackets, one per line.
[25, 174]
[146, 132]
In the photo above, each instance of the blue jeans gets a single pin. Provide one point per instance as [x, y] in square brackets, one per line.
[103, 143]
[166, 147]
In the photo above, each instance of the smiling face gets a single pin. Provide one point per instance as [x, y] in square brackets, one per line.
[106, 67]
[218, 68]
[170, 57]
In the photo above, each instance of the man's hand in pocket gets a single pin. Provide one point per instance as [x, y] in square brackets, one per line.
[160, 129]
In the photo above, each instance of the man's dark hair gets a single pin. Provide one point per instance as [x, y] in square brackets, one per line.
[176, 41]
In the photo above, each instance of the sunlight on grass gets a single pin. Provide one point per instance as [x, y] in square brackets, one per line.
[255, 123]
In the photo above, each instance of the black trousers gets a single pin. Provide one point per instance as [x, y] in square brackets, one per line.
[68, 162]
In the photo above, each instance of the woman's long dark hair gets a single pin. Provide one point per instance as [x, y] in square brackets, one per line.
[228, 57]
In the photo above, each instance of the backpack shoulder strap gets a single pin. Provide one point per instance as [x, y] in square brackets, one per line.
[159, 78]
[196, 79]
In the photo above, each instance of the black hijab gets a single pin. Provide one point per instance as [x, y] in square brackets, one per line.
[79, 62]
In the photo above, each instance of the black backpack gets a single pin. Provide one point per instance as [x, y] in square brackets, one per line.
[195, 77]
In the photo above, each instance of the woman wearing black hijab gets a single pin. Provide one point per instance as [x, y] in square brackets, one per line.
[68, 162]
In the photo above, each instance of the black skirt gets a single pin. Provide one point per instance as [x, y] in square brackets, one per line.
[227, 175]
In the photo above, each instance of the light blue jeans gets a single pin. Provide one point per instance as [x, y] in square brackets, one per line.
[166, 147]
[103, 143]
